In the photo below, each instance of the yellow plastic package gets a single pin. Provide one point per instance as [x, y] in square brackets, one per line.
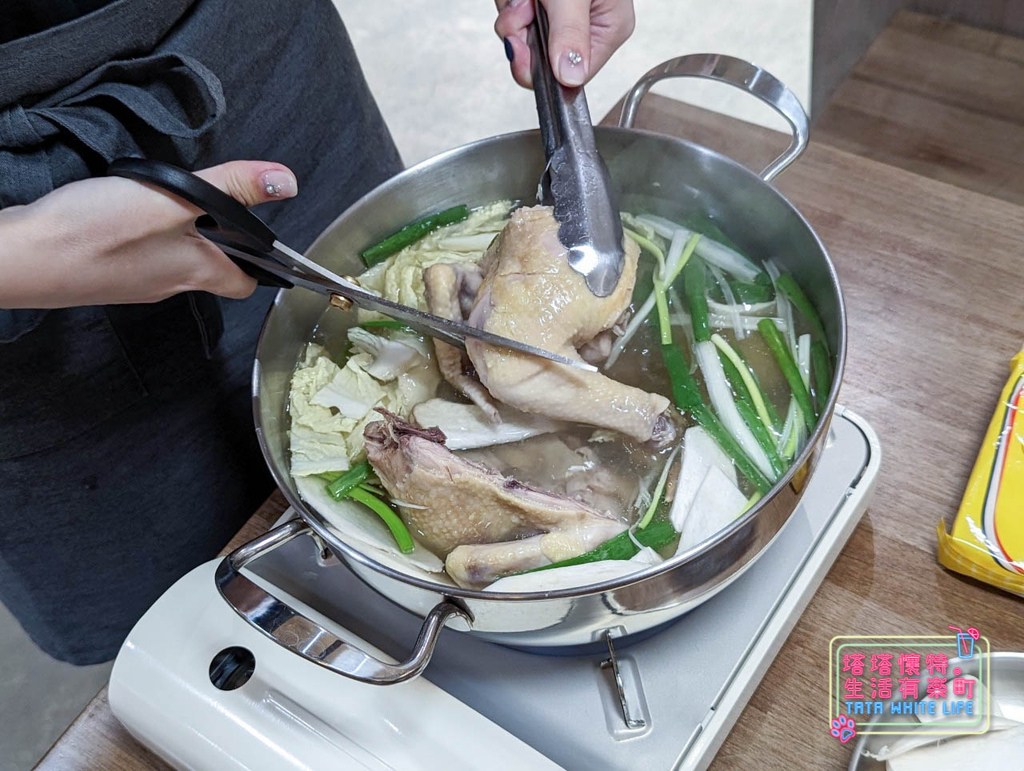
[987, 541]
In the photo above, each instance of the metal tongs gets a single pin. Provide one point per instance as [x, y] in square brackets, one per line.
[254, 247]
[576, 182]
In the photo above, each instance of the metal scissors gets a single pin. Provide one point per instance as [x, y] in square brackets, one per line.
[254, 247]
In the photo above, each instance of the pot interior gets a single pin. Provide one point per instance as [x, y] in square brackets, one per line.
[655, 174]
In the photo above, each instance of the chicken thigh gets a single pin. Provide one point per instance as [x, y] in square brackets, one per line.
[531, 294]
[473, 515]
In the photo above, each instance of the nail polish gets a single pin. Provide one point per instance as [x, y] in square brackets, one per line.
[509, 53]
[572, 70]
[278, 184]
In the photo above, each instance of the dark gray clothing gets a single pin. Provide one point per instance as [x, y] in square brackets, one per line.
[21, 18]
[127, 452]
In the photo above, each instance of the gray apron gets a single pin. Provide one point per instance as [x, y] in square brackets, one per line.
[127, 452]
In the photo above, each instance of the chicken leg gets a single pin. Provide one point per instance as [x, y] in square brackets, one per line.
[531, 294]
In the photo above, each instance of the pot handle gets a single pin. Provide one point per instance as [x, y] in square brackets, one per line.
[303, 636]
[735, 72]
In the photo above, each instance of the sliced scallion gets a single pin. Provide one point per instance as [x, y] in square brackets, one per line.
[386, 513]
[349, 480]
[687, 398]
[788, 365]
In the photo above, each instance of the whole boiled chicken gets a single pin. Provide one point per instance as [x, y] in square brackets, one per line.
[530, 293]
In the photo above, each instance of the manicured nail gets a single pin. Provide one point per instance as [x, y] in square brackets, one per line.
[509, 53]
[279, 184]
[572, 70]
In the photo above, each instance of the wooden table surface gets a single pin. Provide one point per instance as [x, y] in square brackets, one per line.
[939, 99]
[932, 276]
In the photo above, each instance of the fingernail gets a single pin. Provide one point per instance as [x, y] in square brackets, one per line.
[509, 53]
[514, 3]
[572, 70]
[278, 184]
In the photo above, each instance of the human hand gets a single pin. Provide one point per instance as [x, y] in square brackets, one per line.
[583, 36]
[110, 240]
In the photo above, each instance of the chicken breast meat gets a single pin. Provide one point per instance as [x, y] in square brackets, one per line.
[485, 524]
[531, 294]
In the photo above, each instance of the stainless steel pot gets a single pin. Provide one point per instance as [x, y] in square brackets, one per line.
[654, 173]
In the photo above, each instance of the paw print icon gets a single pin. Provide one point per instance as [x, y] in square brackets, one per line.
[843, 728]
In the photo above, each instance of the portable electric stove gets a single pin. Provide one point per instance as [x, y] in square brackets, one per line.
[204, 690]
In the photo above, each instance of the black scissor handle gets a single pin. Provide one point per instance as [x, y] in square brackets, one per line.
[225, 220]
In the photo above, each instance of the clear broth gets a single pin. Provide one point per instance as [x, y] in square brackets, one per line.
[608, 475]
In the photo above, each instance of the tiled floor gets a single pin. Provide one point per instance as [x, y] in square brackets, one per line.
[39, 696]
[441, 80]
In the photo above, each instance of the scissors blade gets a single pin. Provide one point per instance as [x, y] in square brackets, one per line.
[324, 281]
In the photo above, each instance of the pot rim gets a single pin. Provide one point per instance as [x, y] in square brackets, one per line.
[350, 552]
